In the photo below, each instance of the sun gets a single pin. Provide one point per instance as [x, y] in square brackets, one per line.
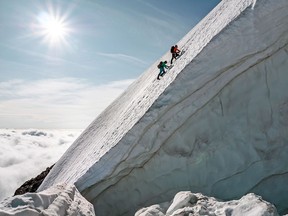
[53, 29]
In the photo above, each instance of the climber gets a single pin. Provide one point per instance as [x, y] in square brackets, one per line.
[175, 53]
[162, 65]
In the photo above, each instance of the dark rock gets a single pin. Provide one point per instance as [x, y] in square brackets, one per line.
[33, 184]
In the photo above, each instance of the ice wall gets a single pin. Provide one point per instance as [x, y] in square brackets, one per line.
[215, 124]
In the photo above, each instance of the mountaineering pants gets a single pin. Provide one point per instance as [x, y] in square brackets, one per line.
[174, 56]
[162, 71]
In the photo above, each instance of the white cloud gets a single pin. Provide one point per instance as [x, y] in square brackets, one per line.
[160, 11]
[55, 103]
[48, 58]
[26, 153]
[123, 57]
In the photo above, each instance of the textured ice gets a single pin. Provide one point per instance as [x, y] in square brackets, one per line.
[58, 200]
[187, 203]
[65, 200]
[216, 123]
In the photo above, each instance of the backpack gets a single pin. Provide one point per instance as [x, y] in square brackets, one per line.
[159, 65]
[172, 49]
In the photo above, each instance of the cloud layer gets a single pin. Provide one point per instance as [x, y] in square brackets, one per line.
[26, 153]
[55, 103]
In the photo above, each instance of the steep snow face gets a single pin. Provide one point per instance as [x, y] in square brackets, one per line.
[216, 123]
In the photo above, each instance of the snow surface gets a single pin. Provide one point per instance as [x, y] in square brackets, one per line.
[59, 200]
[216, 123]
[187, 203]
[66, 200]
[25, 153]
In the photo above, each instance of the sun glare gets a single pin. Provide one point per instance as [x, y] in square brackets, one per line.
[53, 29]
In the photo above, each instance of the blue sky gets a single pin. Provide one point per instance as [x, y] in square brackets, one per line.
[62, 75]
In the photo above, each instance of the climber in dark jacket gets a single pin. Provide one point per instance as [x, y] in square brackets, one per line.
[175, 53]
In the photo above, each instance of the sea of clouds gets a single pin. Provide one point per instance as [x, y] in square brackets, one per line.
[26, 153]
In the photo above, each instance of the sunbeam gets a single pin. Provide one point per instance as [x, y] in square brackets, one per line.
[52, 27]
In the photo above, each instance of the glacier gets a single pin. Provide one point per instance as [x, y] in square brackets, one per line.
[216, 123]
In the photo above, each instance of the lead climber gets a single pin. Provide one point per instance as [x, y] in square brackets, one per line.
[175, 53]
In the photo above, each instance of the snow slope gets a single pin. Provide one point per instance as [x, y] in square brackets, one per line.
[216, 123]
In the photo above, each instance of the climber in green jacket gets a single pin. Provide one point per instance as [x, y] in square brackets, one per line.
[162, 65]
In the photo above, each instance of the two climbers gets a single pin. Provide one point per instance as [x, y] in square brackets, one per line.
[163, 64]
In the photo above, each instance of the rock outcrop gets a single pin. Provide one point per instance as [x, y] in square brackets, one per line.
[33, 184]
